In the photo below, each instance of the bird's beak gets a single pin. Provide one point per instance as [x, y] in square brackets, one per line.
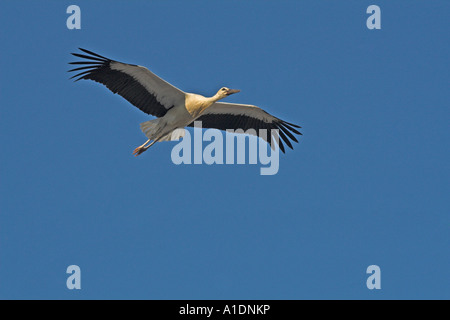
[231, 91]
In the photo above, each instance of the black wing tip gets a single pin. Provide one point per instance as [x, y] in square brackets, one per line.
[286, 133]
[282, 147]
[294, 125]
[90, 57]
[92, 62]
[75, 80]
[93, 54]
[289, 126]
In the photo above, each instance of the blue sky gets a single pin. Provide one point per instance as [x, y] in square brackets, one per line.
[367, 184]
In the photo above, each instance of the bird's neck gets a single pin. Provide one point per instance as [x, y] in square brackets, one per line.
[214, 98]
[196, 104]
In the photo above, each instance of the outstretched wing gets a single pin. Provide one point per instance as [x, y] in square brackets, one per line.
[137, 84]
[234, 116]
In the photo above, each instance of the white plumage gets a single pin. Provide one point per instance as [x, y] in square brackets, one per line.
[176, 109]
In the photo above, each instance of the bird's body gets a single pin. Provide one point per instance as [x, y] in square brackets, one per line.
[176, 109]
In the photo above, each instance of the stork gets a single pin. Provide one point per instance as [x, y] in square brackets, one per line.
[176, 109]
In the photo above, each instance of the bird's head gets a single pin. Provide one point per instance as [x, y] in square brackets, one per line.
[225, 92]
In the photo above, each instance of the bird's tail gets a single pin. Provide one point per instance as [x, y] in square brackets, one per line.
[151, 130]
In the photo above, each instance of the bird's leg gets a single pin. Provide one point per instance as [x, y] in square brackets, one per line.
[143, 147]
[140, 149]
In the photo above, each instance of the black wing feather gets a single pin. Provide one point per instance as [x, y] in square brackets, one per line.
[117, 81]
[245, 122]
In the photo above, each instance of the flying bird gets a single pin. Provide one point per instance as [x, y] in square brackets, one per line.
[176, 109]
